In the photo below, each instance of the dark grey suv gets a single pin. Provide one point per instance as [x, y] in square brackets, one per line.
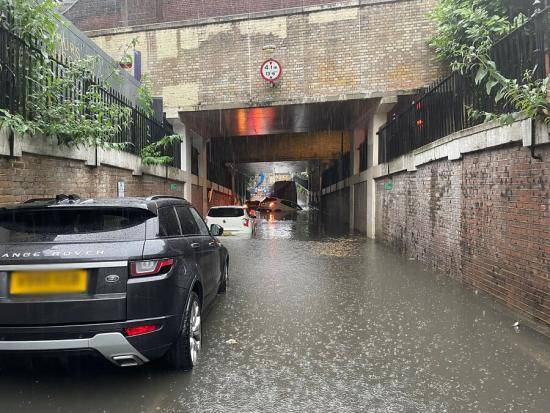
[127, 278]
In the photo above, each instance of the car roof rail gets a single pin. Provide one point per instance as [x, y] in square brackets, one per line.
[69, 199]
[33, 200]
[157, 197]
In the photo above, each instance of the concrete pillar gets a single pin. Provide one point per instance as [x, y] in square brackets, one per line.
[200, 144]
[352, 197]
[186, 145]
[357, 138]
[378, 118]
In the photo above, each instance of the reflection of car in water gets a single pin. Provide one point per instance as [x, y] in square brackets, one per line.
[281, 215]
[235, 220]
[276, 205]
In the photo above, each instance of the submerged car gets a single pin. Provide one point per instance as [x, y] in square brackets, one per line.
[273, 204]
[126, 278]
[235, 220]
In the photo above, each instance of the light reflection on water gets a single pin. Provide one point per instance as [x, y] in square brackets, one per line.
[318, 321]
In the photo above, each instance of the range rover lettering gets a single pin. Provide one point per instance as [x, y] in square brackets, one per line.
[125, 278]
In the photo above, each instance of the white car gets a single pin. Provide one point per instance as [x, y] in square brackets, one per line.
[278, 205]
[235, 220]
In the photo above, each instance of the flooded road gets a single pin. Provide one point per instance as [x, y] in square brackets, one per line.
[316, 322]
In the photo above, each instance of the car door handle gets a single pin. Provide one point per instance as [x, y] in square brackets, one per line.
[213, 243]
[195, 245]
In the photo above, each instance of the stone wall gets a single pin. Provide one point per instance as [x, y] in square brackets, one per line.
[38, 167]
[336, 207]
[216, 198]
[347, 50]
[106, 14]
[484, 219]
[38, 176]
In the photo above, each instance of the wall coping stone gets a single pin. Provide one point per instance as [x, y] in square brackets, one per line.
[46, 146]
[480, 137]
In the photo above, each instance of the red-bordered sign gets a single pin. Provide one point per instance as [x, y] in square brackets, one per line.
[271, 70]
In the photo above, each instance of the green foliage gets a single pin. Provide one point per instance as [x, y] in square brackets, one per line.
[59, 106]
[145, 96]
[466, 26]
[466, 30]
[528, 98]
[34, 21]
[152, 153]
[83, 119]
[15, 122]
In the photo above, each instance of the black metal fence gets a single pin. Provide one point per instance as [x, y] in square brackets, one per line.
[19, 81]
[339, 171]
[363, 155]
[444, 108]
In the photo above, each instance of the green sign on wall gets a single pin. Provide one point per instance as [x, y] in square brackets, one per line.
[173, 187]
[388, 186]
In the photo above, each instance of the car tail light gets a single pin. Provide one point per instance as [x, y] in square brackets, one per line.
[246, 222]
[138, 330]
[150, 267]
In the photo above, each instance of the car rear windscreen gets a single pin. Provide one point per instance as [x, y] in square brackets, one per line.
[226, 212]
[73, 224]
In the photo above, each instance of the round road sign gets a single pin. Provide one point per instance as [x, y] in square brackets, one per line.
[271, 70]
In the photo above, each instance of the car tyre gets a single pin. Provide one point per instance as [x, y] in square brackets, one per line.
[225, 275]
[184, 353]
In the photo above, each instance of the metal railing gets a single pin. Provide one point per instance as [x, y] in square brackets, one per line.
[363, 155]
[18, 83]
[443, 109]
[340, 170]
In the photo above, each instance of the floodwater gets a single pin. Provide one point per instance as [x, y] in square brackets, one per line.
[316, 322]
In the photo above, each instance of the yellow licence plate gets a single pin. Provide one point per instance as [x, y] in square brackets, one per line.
[48, 282]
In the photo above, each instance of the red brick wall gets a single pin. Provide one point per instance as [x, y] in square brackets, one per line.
[217, 198]
[34, 176]
[197, 200]
[107, 14]
[484, 219]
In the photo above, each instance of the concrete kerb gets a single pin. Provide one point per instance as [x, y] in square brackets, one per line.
[49, 146]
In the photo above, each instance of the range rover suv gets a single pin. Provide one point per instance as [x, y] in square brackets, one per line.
[127, 278]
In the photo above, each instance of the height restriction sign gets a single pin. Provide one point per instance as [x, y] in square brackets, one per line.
[271, 70]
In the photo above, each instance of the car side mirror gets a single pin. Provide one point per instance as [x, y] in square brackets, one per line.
[216, 230]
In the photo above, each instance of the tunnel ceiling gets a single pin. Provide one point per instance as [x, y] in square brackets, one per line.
[274, 167]
[274, 120]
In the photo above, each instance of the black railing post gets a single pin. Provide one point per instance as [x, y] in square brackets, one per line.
[539, 40]
[18, 60]
[443, 109]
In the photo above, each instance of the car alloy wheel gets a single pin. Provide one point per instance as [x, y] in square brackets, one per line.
[195, 333]
[184, 353]
[223, 283]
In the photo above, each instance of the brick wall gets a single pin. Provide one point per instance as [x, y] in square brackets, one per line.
[484, 219]
[341, 53]
[106, 14]
[217, 198]
[336, 207]
[36, 176]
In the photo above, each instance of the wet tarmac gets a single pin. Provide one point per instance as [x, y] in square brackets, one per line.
[317, 322]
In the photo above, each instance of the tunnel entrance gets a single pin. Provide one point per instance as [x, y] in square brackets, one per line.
[248, 149]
